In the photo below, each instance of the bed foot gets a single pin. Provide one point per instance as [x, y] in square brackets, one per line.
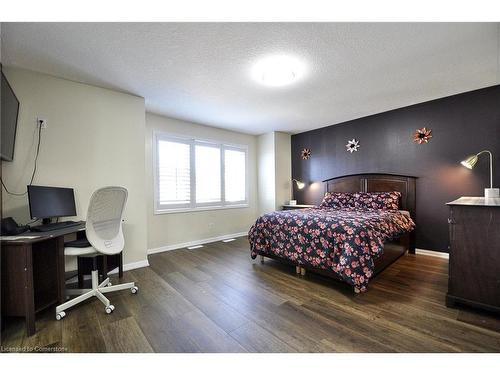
[262, 258]
[357, 290]
[302, 271]
[297, 270]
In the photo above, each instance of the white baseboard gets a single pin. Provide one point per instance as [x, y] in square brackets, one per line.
[432, 253]
[195, 243]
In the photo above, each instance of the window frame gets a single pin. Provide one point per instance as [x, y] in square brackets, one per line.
[193, 206]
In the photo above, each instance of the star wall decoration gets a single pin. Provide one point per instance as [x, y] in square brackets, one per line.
[305, 153]
[422, 135]
[352, 145]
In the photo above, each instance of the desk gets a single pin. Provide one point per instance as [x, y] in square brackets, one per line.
[33, 274]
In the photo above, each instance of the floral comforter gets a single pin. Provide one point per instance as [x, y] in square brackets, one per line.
[345, 241]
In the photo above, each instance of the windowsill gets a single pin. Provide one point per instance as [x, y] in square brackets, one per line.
[196, 209]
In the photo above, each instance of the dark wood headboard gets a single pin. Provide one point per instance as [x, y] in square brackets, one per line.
[376, 182]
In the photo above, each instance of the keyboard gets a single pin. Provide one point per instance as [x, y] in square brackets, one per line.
[55, 226]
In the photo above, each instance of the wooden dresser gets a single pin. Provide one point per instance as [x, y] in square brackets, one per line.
[474, 268]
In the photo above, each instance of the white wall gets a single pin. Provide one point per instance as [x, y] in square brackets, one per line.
[283, 161]
[267, 170]
[275, 170]
[173, 229]
[95, 137]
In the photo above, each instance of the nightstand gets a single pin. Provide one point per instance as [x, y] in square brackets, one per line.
[474, 267]
[286, 207]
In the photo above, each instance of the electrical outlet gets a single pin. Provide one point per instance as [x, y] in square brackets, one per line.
[211, 226]
[41, 122]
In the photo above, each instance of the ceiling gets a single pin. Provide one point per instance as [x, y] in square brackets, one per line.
[201, 72]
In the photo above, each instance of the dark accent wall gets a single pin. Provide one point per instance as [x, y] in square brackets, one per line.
[461, 125]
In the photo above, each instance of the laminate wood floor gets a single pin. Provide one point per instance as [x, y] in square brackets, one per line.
[216, 299]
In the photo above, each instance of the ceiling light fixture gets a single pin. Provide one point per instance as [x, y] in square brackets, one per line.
[278, 70]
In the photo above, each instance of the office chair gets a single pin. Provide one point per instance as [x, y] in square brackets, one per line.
[105, 237]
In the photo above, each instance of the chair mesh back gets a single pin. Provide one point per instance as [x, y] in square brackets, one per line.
[104, 219]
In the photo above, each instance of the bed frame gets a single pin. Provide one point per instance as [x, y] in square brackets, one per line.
[374, 182]
[377, 182]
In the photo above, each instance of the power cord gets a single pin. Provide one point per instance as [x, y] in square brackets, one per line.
[11, 193]
[34, 167]
[37, 150]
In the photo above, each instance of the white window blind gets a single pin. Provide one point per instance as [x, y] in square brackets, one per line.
[193, 174]
[208, 177]
[174, 173]
[235, 175]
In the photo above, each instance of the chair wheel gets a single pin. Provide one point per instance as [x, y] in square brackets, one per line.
[109, 309]
[134, 290]
[60, 315]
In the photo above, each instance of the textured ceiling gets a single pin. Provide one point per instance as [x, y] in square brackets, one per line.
[202, 72]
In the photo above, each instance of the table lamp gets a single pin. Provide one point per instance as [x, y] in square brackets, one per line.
[300, 185]
[471, 161]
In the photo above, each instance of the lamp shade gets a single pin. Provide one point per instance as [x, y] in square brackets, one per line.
[300, 184]
[470, 161]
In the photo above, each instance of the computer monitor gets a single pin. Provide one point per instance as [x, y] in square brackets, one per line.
[47, 202]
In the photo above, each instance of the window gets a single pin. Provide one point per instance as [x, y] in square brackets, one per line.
[174, 173]
[235, 175]
[207, 176]
[192, 174]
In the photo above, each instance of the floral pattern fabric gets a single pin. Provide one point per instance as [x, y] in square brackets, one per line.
[345, 241]
[338, 200]
[384, 201]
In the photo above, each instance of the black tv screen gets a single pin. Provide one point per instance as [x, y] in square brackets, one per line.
[9, 110]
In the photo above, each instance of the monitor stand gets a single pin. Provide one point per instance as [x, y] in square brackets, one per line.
[46, 221]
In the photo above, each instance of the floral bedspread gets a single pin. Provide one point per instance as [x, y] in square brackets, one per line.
[345, 241]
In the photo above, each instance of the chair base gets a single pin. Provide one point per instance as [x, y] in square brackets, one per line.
[97, 290]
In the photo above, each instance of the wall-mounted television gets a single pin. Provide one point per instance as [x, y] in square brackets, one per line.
[9, 111]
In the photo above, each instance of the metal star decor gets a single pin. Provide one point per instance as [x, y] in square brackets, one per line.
[352, 145]
[422, 135]
[305, 153]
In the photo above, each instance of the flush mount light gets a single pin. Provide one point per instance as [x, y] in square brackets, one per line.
[277, 70]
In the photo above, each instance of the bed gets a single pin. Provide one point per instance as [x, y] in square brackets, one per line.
[364, 224]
